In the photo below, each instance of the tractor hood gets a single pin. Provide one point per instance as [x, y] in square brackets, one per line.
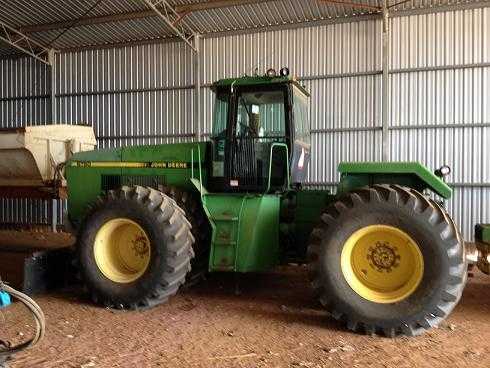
[141, 156]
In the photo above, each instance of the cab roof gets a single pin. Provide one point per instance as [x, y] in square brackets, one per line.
[257, 80]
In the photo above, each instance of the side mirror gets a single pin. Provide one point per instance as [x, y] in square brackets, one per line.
[278, 168]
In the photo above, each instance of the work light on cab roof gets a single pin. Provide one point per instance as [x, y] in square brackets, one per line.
[271, 73]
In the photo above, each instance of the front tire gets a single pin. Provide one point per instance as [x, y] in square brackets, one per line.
[201, 230]
[134, 248]
[387, 260]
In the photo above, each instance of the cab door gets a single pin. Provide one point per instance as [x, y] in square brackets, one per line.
[261, 118]
[302, 136]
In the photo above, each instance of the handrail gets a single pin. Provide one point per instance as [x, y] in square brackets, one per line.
[192, 163]
[199, 166]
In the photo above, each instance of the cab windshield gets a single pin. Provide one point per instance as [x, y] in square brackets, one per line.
[261, 114]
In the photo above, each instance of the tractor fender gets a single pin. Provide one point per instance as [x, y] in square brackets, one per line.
[410, 174]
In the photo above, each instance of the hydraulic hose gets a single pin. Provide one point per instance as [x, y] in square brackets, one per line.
[5, 349]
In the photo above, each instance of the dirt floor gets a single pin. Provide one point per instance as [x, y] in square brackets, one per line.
[273, 323]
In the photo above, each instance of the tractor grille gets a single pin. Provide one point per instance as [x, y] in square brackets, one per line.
[110, 182]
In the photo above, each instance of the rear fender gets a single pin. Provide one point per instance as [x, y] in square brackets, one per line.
[410, 174]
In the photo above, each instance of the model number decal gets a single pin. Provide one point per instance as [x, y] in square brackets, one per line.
[133, 165]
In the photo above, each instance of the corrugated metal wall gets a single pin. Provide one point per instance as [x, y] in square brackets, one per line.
[132, 95]
[439, 108]
[25, 87]
[439, 84]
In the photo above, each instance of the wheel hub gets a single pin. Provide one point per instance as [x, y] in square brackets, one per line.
[383, 257]
[382, 264]
[140, 246]
[122, 250]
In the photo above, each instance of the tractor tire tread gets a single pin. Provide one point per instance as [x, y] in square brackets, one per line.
[200, 230]
[411, 200]
[179, 251]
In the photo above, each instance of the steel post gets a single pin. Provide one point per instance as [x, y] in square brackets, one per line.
[197, 85]
[385, 84]
[52, 67]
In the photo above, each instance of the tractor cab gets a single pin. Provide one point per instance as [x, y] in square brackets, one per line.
[261, 134]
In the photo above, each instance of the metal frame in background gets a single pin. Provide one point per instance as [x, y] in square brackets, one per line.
[174, 21]
[27, 45]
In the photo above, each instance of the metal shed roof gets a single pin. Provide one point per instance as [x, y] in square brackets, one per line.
[72, 24]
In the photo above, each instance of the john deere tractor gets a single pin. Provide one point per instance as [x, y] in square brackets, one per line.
[481, 253]
[383, 256]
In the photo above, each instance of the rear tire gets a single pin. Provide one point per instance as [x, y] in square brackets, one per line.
[134, 248]
[416, 291]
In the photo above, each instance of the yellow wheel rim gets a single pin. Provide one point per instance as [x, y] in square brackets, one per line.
[382, 264]
[122, 250]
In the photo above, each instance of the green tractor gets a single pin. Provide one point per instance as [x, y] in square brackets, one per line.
[383, 257]
[481, 255]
